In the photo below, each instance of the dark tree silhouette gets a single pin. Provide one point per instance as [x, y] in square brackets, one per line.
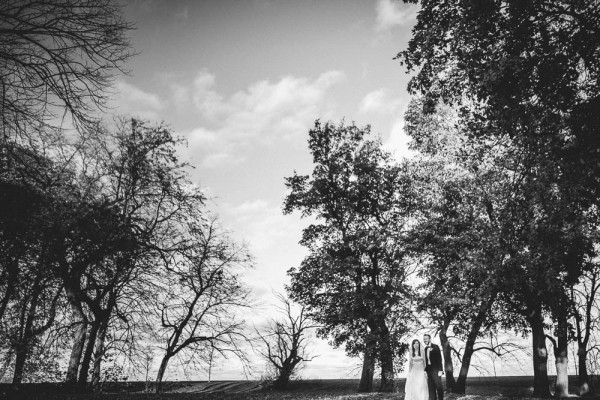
[58, 57]
[532, 69]
[285, 341]
[202, 295]
[354, 279]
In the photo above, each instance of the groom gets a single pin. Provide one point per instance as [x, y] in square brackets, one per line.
[433, 367]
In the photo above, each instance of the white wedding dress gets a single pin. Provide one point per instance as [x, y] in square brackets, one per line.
[416, 382]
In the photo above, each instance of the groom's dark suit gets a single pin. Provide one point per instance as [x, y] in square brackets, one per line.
[433, 365]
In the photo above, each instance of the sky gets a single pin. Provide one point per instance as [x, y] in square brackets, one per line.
[243, 82]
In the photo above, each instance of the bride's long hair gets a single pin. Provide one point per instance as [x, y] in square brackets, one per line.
[412, 347]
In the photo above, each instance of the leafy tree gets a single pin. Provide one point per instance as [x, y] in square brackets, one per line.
[458, 239]
[532, 71]
[353, 281]
[487, 219]
[91, 233]
[533, 65]
[32, 205]
[147, 188]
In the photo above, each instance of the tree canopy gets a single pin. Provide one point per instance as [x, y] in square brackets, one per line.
[58, 58]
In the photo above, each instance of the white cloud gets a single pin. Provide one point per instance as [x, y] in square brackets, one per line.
[391, 13]
[379, 101]
[250, 206]
[264, 225]
[216, 160]
[130, 100]
[270, 236]
[204, 96]
[259, 115]
[202, 137]
[398, 141]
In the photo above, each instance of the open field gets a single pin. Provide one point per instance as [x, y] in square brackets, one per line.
[334, 389]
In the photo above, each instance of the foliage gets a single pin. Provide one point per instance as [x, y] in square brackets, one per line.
[94, 232]
[353, 281]
[458, 239]
[533, 66]
[526, 71]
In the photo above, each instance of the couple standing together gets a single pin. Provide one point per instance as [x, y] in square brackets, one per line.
[424, 371]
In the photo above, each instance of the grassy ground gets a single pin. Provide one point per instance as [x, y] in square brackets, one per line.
[330, 389]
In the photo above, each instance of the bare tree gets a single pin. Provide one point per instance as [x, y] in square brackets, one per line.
[57, 59]
[586, 316]
[284, 341]
[198, 306]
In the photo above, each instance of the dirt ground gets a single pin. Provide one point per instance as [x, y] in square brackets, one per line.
[327, 389]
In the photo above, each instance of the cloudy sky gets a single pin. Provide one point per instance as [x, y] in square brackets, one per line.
[243, 82]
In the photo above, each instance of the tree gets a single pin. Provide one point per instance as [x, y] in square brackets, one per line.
[89, 242]
[532, 65]
[458, 237]
[198, 306]
[95, 228]
[58, 58]
[486, 216]
[353, 281]
[148, 190]
[32, 206]
[516, 61]
[284, 342]
[586, 316]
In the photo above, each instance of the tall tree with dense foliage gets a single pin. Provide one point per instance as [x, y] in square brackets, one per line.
[458, 237]
[354, 279]
[98, 237]
[32, 206]
[533, 65]
[532, 70]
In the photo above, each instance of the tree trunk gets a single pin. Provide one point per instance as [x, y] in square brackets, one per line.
[12, 270]
[283, 378]
[27, 334]
[386, 359]
[540, 355]
[368, 368]
[585, 385]
[161, 372]
[447, 353]
[98, 354]
[461, 382]
[89, 350]
[29, 331]
[21, 356]
[562, 358]
[79, 338]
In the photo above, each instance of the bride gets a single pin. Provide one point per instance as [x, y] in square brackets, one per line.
[416, 382]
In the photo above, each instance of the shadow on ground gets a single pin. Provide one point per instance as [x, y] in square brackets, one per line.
[334, 389]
